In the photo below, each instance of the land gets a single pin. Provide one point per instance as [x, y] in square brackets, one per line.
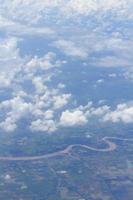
[111, 147]
[82, 165]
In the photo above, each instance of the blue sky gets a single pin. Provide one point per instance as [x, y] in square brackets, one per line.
[64, 63]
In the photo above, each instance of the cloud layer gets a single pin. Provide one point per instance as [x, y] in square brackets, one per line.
[96, 33]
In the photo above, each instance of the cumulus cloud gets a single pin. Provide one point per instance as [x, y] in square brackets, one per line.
[43, 125]
[123, 113]
[8, 125]
[83, 114]
[4, 80]
[41, 102]
[15, 109]
[48, 61]
[39, 84]
[73, 118]
[60, 101]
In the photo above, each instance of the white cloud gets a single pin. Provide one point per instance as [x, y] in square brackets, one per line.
[73, 118]
[14, 110]
[128, 74]
[123, 113]
[88, 6]
[43, 125]
[8, 125]
[17, 29]
[22, 16]
[10, 61]
[39, 84]
[99, 81]
[83, 114]
[46, 62]
[29, 79]
[60, 101]
[4, 80]
[61, 86]
[110, 51]
[33, 12]
[71, 49]
[38, 18]
[39, 103]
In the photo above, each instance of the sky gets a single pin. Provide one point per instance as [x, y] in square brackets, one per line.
[64, 63]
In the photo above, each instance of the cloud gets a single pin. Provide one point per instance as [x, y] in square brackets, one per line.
[39, 84]
[115, 52]
[8, 125]
[73, 118]
[98, 48]
[43, 125]
[29, 12]
[123, 113]
[128, 74]
[88, 7]
[39, 102]
[19, 29]
[34, 12]
[14, 109]
[104, 41]
[45, 62]
[8, 48]
[60, 101]
[10, 61]
[71, 49]
[5, 81]
[83, 114]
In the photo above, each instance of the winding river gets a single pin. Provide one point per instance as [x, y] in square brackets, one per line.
[111, 146]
